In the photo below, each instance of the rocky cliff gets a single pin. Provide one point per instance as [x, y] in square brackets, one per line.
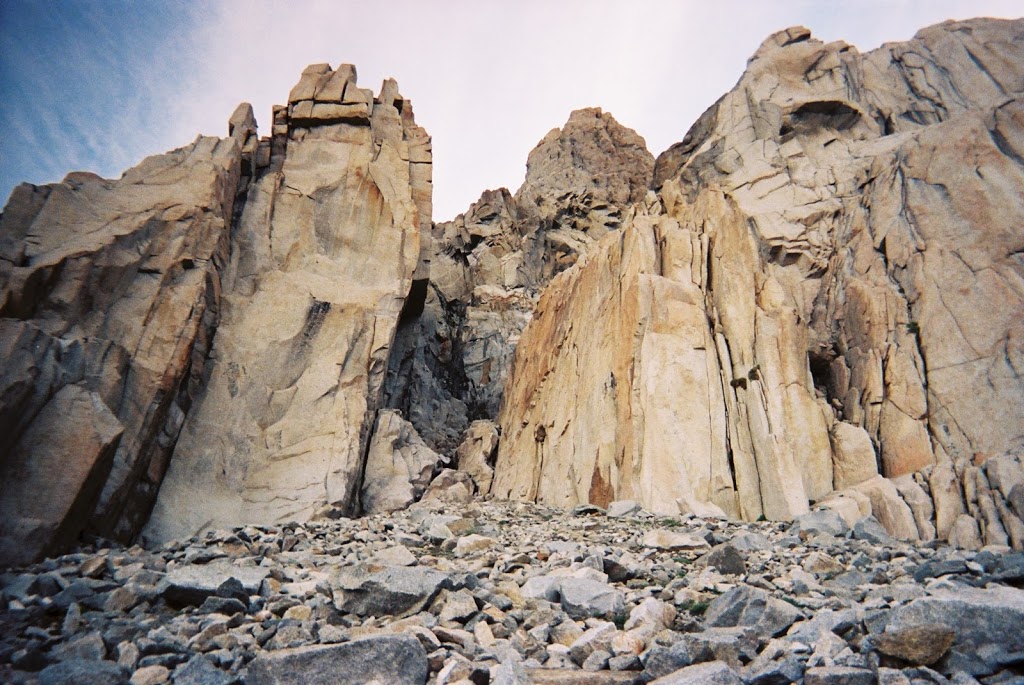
[489, 266]
[822, 302]
[814, 299]
[222, 314]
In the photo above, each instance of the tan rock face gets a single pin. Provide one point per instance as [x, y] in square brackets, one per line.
[324, 256]
[477, 452]
[108, 301]
[807, 290]
[488, 266]
[399, 465]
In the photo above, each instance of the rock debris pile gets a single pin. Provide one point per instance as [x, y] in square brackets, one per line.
[505, 593]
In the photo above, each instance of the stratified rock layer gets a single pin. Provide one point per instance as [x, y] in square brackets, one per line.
[834, 254]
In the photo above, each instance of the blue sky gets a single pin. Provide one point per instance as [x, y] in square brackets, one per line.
[98, 85]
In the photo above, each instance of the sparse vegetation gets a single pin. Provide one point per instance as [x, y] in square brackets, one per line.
[694, 607]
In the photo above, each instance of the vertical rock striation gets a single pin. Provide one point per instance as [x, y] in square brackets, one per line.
[489, 265]
[832, 258]
[323, 256]
[231, 305]
[109, 294]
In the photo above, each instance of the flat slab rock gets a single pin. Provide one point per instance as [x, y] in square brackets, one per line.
[390, 659]
[193, 583]
[394, 590]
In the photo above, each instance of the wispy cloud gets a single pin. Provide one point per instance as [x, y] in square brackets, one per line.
[114, 81]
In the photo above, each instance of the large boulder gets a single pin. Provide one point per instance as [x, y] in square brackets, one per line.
[392, 659]
[399, 465]
[985, 621]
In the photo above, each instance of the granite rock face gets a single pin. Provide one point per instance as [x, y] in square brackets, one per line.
[325, 250]
[231, 304]
[109, 295]
[489, 265]
[811, 285]
[813, 301]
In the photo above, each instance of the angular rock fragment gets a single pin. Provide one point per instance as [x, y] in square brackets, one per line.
[392, 659]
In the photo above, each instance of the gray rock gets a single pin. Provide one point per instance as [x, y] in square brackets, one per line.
[193, 583]
[83, 672]
[838, 675]
[622, 508]
[726, 559]
[582, 598]
[88, 647]
[750, 542]
[396, 590]
[542, 587]
[201, 671]
[869, 529]
[747, 606]
[820, 521]
[391, 659]
[711, 673]
[781, 671]
[987, 623]
[596, 661]
[726, 645]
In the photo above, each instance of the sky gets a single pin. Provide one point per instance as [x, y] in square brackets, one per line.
[97, 85]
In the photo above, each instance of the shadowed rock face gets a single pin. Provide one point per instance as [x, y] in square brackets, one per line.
[296, 250]
[108, 302]
[490, 264]
[827, 285]
[816, 297]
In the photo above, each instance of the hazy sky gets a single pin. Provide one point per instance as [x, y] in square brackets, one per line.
[99, 85]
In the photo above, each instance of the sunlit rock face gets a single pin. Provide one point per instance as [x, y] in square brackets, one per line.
[827, 285]
[815, 299]
[109, 294]
[323, 255]
[489, 265]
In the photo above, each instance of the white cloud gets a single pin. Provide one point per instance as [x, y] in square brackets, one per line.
[488, 79]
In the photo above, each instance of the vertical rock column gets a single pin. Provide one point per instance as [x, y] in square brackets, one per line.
[322, 258]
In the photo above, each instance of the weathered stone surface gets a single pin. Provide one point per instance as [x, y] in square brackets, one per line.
[399, 465]
[51, 479]
[83, 672]
[488, 266]
[394, 590]
[919, 644]
[450, 486]
[710, 673]
[193, 583]
[108, 301]
[801, 270]
[865, 606]
[750, 607]
[853, 456]
[661, 538]
[477, 452]
[985, 622]
[398, 659]
[582, 597]
[889, 508]
[322, 260]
